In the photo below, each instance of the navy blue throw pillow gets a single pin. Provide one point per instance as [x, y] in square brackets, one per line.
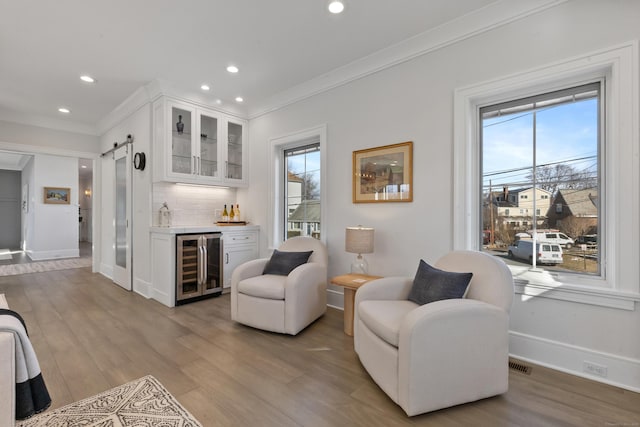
[432, 284]
[283, 263]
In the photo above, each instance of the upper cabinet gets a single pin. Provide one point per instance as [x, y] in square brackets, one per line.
[197, 145]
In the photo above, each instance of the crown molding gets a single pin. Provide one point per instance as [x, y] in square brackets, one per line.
[152, 91]
[494, 15]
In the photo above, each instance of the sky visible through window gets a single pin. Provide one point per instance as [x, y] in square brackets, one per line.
[567, 133]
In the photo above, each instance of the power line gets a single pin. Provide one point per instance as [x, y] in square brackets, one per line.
[538, 166]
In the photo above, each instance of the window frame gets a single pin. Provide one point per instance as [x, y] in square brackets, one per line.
[285, 182]
[618, 66]
[597, 85]
[276, 227]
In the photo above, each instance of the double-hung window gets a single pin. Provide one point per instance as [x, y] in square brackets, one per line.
[564, 135]
[546, 149]
[302, 191]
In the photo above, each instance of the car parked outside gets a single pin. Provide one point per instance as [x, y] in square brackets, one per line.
[553, 236]
[546, 253]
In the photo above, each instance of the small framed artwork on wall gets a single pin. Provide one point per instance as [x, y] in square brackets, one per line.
[383, 174]
[57, 195]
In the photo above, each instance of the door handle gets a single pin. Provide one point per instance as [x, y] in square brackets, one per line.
[205, 267]
[193, 166]
[226, 258]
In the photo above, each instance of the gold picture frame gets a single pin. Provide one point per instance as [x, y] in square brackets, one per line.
[383, 174]
[57, 195]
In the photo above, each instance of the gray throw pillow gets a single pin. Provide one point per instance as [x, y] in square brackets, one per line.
[283, 263]
[432, 284]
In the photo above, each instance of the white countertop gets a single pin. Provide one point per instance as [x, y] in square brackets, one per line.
[187, 229]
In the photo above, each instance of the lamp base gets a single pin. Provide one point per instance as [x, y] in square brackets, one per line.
[359, 266]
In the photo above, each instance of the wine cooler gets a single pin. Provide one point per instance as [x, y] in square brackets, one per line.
[198, 266]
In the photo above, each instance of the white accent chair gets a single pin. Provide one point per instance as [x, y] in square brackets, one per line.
[284, 304]
[441, 354]
[7, 375]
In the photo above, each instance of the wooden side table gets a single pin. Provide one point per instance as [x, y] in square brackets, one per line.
[351, 283]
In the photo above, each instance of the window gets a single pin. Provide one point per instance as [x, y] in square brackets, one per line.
[553, 145]
[618, 283]
[297, 190]
[302, 191]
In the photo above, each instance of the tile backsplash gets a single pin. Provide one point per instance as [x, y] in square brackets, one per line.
[190, 205]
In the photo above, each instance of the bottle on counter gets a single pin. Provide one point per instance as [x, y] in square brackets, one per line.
[238, 213]
[232, 214]
[225, 214]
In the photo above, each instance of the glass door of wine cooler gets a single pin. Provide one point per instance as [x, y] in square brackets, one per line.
[198, 266]
[188, 285]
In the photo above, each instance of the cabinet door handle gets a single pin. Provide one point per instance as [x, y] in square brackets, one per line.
[226, 258]
[244, 238]
[199, 166]
[193, 166]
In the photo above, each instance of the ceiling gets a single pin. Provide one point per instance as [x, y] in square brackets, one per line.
[278, 44]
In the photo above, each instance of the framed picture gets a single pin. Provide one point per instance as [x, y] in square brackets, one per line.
[57, 195]
[383, 174]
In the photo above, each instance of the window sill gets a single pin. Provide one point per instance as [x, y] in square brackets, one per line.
[541, 284]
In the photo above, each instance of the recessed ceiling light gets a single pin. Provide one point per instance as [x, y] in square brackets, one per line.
[83, 166]
[336, 6]
[205, 87]
[239, 99]
[232, 69]
[218, 101]
[64, 110]
[87, 79]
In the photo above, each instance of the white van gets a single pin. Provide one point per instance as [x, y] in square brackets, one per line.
[547, 253]
[553, 236]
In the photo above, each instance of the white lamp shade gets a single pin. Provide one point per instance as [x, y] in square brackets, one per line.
[359, 240]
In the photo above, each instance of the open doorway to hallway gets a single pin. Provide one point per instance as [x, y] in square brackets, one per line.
[35, 232]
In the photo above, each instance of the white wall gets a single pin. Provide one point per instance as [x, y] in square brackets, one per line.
[48, 139]
[413, 101]
[55, 227]
[28, 178]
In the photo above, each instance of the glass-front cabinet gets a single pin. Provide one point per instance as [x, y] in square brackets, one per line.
[188, 140]
[235, 152]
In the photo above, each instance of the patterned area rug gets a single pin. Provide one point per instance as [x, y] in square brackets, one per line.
[141, 403]
[40, 266]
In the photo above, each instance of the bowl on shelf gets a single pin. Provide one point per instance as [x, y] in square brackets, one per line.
[232, 138]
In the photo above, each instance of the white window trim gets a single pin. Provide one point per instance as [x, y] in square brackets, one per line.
[277, 145]
[620, 285]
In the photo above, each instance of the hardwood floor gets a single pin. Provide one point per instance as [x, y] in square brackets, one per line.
[90, 335]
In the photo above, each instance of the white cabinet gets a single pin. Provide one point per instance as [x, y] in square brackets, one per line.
[238, 248]
[197, 145]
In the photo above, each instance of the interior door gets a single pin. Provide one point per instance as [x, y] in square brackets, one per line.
[122, 267]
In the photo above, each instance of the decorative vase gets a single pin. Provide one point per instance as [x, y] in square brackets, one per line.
[179, 125]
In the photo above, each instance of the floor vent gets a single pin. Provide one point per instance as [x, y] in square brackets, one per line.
[520, 367]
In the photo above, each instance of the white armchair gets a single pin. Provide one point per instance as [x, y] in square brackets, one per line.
[448, 352]
[284, 304]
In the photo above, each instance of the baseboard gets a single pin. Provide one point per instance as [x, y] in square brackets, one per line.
[162, 297]
[106, 270]
[571, 359]
[335, 299]
[142, 287]
[48, 255]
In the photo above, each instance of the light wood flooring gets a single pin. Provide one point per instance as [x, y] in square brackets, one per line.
[90, 335]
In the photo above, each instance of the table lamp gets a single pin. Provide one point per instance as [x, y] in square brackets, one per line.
[359, 240]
